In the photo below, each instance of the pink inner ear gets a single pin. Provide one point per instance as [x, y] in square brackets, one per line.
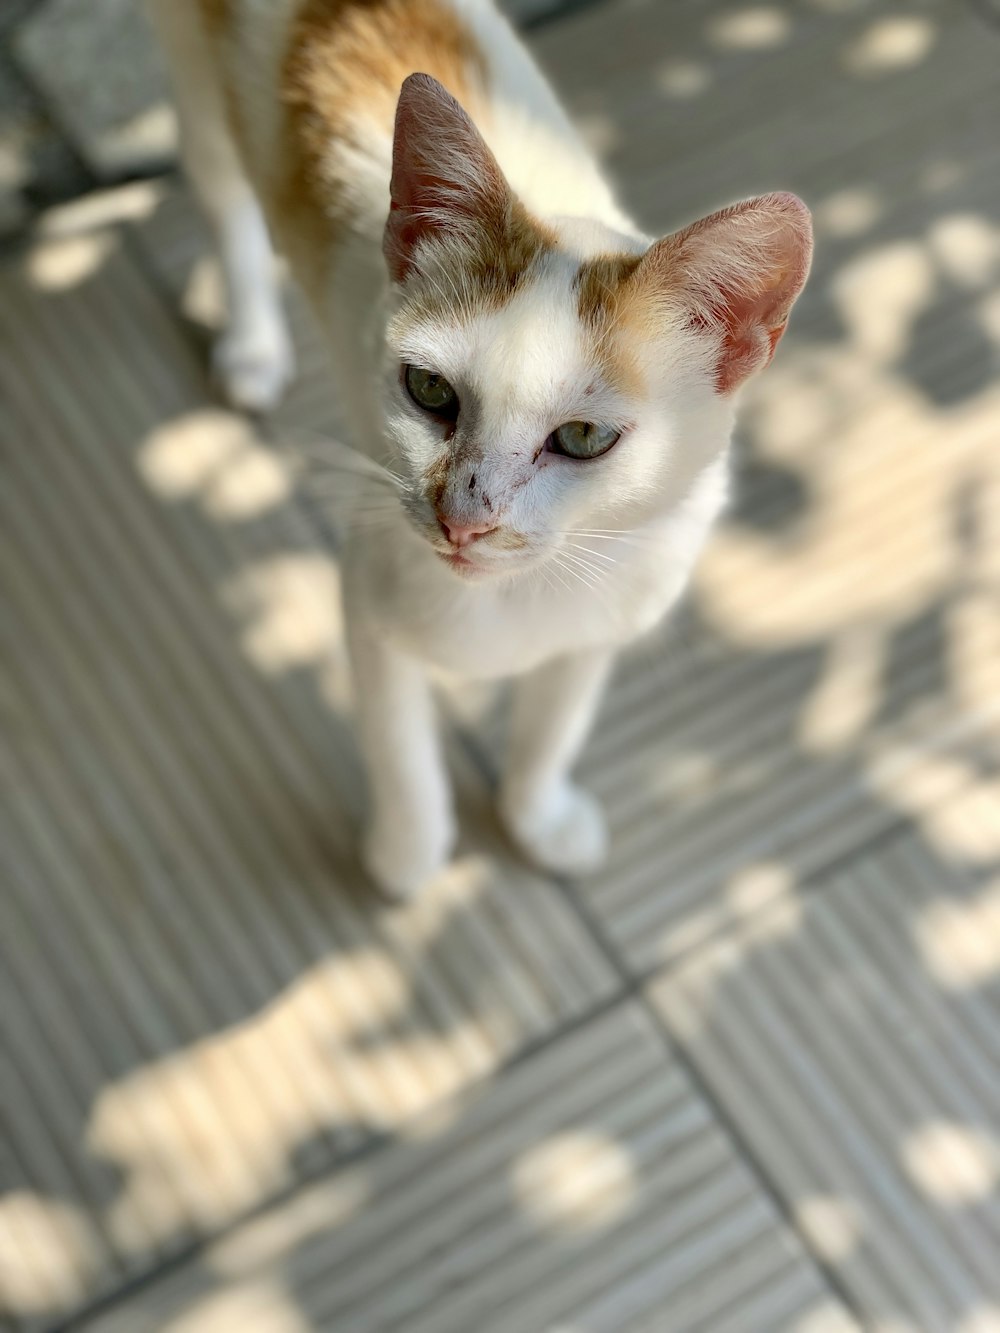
[443, 175]
[741, 270]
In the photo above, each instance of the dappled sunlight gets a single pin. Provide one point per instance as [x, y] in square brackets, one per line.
[49, 1252]
[270, 1238]
[202, 299]
[250, 484]
[959, 940]
[891, 44]
[183, 457]
[599, 132]
[686, 776]
[984, 1319]
[898, 531]
[574, 1182]
[848, 692]
[832, 1319]
[212, 1129]
[759, 908]
[880, 293]
[264, 1304]
[683, 78]
[752, 29]
[456, 888]
[150, 135]
[832, 1225]
[134, 202]
[289, 608]
[953, 1164]
[216, 458]
[767, 885]
[967, 247]
[54, 266]
[841, 6]
[974, 637]
[936, 787]
[848, 212]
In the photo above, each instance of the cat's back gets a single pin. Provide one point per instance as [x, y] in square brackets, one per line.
[311, 89]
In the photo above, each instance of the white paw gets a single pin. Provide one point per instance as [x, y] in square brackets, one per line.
[254, 367]
[401, 863]
[564, 833]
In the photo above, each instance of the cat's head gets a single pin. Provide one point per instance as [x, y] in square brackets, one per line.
[552, 377]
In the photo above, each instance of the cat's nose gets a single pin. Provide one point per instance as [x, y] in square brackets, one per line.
[464, 534]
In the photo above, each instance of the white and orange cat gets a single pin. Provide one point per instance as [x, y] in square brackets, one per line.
[553, 390]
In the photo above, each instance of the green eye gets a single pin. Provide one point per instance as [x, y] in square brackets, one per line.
[583, 439]
[431, 392]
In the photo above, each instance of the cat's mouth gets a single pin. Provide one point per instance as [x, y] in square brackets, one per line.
[472, 564]
[457, 561]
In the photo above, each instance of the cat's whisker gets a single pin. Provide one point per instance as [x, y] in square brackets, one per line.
[641, 542]
[599, 571]
[580, 560]
[545, 574]
[337, 489]
[351, 490]
[598, 555]
[560, 573]
[578, 569]
[613, 534]
[377, 510]
[612, 608]
[330, 456]
[348, 474]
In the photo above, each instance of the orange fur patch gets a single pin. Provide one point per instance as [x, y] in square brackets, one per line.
[347, 58]
[606, 303]
[486, 269]
[216, 15]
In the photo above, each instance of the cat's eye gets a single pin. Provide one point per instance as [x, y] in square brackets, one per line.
[431, 392]
[583, 439]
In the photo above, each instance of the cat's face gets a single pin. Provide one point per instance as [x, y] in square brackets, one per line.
[551, 381]
[518, 427]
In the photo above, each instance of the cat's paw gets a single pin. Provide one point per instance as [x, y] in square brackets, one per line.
[564, 833]
[402, 863]
[254, 367]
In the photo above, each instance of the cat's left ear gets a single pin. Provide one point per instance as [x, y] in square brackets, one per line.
[445, 181]
[739, 271]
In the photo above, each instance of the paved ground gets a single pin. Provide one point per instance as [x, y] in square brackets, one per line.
[748, 1078]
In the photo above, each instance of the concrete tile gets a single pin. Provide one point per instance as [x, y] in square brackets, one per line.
[203, 1000]
[853, 1039]
[588, 1189]
[98, 64]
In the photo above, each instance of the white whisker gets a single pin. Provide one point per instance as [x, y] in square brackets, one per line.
[599, 571]
[581, 571]
[598, 555]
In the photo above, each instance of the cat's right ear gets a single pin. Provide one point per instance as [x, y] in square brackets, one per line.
[445, 181]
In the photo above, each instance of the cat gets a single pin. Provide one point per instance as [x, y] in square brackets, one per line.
[555, 390]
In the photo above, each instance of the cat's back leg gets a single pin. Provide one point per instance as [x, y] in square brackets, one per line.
[253, 357]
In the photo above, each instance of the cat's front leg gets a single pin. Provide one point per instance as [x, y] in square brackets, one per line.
[411, 825]
[557, 824]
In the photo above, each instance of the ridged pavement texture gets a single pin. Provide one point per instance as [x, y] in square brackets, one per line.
[588, 1189]
[744, 1079]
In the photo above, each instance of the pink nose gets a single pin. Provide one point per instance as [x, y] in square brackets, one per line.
[463, 534]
